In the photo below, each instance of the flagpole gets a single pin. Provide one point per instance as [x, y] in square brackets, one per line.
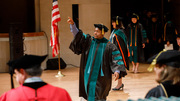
[55, 34]
[59, 72]
[59, 61]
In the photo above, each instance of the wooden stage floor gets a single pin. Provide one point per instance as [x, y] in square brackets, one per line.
[136, 85]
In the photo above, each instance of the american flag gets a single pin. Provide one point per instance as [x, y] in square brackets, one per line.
[54, 42]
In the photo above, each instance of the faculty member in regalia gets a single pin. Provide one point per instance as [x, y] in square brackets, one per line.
[137, 38]
[167, 68]
[32, 88]
[99, 60]
[119, 38]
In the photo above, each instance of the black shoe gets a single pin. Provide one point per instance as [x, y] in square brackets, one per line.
[121, 87]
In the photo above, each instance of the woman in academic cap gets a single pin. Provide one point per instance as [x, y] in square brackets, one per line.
[136, 38]
[166, 65]
[118, 37]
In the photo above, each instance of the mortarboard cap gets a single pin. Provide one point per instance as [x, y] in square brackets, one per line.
[135, 16]
[178, 35]
[167, 57]
[101, 27]
[26, 61]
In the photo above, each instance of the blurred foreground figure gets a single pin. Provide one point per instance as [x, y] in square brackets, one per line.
[166, 65]
[32, 88]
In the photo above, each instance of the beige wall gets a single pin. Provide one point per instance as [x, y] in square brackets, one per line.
[32, 45]
[90, 12]
[36, 46]
[4, 54]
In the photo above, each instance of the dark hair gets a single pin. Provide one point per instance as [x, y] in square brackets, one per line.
[120, 25]
[34, 70]
[118, 20]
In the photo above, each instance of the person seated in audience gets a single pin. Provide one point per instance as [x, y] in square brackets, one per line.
[166, 65]
[32, 88]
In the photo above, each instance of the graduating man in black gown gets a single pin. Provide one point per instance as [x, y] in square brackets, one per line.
[99, 59]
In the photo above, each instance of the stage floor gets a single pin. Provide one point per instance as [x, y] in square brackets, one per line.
[136, 85]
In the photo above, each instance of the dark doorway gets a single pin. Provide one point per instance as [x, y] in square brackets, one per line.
[75, 13]
[17, 11]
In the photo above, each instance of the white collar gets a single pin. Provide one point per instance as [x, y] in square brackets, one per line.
[33, 79]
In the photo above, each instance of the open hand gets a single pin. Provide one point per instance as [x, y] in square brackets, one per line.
[168, 43]
[70, 21]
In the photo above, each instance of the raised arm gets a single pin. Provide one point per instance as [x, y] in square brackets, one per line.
[73, 27]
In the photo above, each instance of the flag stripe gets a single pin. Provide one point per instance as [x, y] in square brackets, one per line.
[55, 19]
[54, 42]
[55, 7]
[55, 11]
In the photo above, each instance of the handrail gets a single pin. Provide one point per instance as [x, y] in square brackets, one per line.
[31, 34]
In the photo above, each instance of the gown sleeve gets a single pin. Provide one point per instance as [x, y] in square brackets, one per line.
[116, 62]
[155, 92]
[67, 96]
[143, 34]
[128, 32]
[74, 29]
[121, 43]
[80, 43]
[3, 97]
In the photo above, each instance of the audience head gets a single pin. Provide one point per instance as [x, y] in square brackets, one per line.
[27, 66]
[166, 66]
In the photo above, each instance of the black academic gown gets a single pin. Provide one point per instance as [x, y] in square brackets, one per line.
[154, 35]
[170, 90]
[120, 40]
[81, 45]
[170, 34]
[140, 38]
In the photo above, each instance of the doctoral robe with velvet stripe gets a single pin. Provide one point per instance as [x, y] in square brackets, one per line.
[118, 37]
[99, 60]
[136, 36]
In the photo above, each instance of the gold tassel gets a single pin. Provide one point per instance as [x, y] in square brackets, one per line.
[176, 31]
[136, 36]
[102, 30]
[117, 20]
[151, 67]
